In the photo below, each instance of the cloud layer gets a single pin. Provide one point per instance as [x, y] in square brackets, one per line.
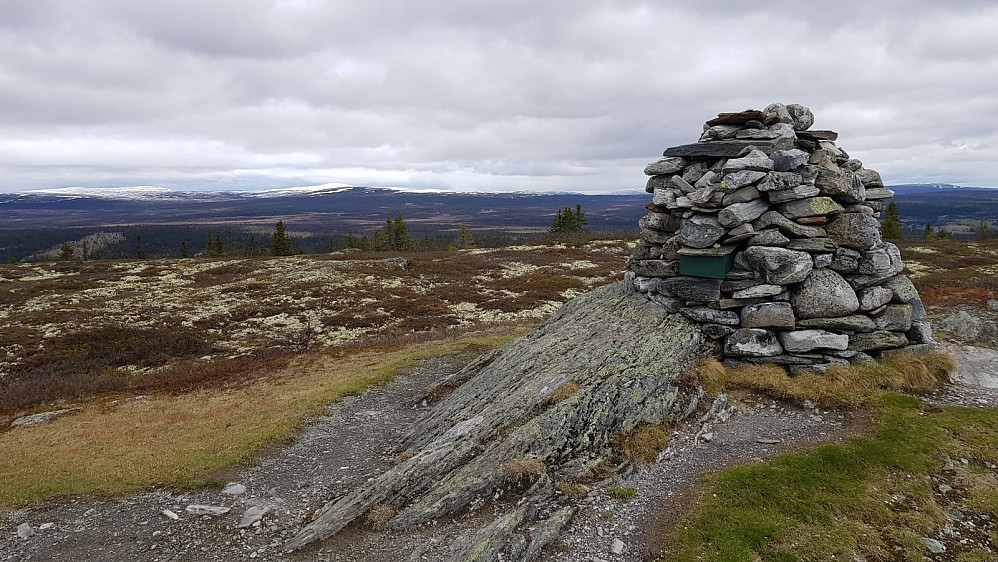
[511, 95]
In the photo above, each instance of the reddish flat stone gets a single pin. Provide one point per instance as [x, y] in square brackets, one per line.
[737, 118]
[812, 220]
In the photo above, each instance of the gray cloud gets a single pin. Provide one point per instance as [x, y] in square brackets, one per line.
[475, 95]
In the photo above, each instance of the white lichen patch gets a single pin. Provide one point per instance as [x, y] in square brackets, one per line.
[921, 250]
[577, 264]
[916, 269]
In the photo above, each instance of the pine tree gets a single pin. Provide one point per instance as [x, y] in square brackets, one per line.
[86, 251]
[982, 231]
[399, 237]
[66, 252]
[465, 239]
[566, 220]
[891, 229]
[139, 252]
[184, 250]
[928, 234]
[280, 242]
[352, 240]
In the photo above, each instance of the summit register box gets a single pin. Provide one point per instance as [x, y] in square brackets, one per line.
[706, 262]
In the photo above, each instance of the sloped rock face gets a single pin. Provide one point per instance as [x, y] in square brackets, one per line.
[622, 348]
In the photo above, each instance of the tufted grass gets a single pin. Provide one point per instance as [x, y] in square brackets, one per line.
[179, 440]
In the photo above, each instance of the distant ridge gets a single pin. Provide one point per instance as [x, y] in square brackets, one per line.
[917, 188]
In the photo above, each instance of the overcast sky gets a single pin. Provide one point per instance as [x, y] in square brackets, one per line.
[571, 95]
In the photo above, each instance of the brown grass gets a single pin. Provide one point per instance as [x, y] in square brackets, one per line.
[379, 516]
[563, 392]
[521, 471]
[642, 444]
[841, 386]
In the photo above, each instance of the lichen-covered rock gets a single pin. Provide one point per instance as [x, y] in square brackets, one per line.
[802, 191]
[776, 181]
[780, 266]
[894, 317]
[691, 288]
[803, 341]
[877, 340]
[752, 342]
[705, 315]
[810, 207]
[701, 231]
[773, 315]
[824, 294]
[741, 213]
[621, 349]
[739, 179]
[855, 230]
[874, 297]
[668, 165]
[802, 116]
[655, 268]
[851, 323]
[787, 226]
[788, 160]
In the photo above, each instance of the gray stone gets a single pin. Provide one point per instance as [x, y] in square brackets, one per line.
[777, 113]
[871, 179]
[691, 288]
[702, 195]
[787, 160]
[874, 297]
[729, 285]
[802, 341]
[784, 130]
[856, 231]
[617, 547]
[752, 342]
[727, 148]
[695, 172]
[787, 226]
[803, 118]
[822, 261]
[670, 165]
[784, 359]
[920, 332]
[669, 304]
[657, 182]
[776, 181]
[877, 340]
[740, 179]
[234, 489]
[808, 174]
[701, 231]
[846, 260]
[684, 203]
[677, 182]
[799, 192]
[741, 213]
[758, 163]
[813, 245]
[24, 531]
[211, 510]
[655, 236]
[865, 209]
[824, 293]
[42, 417]
[934, 546]
[720, 132]
[903, 289]
[252, 515]
[757, 292]
[810, 207]
[716, 331]
[705, 315]
[851, 165]
[962, 326]
[878, 194]
[878, 206]
[778, 265]
[665, 222]
[655, 268]
[665, 197]
[879, 261]
[709, 177]
[769, 238]
[851, 323]
[743, 195]
[894, 317]
[757, 134]
[842, 186]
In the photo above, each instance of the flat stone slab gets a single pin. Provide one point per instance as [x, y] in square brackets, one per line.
[42, 417]
[718, 252]
[737, 118]
[727, 148]
[818, 135]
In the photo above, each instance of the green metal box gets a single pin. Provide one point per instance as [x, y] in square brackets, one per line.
[706, 262]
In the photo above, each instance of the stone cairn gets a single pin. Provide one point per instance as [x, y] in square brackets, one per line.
[767, 234]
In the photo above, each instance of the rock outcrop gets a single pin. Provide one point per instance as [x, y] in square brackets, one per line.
[773, 222]
[619, 351]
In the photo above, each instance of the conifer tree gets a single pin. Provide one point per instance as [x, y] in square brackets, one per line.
[86, 251]
[465, 239]
[280, 242]
[66, 252]
[928, 234]
[982, 231]
[892, 229]
[568, 220]
[184, 250]
[139, 252]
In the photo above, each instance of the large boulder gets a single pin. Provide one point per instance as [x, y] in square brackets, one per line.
[824, 294]
[802, 341]
[620, 349]
[752, 342]
[774, 315]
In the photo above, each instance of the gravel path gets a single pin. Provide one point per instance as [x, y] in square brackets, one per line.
[358, 440]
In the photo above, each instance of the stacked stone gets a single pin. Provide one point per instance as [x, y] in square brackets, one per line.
[812, 283]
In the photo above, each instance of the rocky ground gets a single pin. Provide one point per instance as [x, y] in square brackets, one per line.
[269, 503]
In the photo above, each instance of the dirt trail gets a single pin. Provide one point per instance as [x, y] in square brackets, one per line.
[359, 440]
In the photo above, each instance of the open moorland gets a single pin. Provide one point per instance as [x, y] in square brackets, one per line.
[172, 372]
